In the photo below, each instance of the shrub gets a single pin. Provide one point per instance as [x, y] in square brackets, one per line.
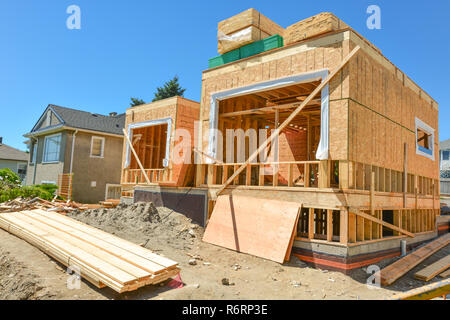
[9, 177]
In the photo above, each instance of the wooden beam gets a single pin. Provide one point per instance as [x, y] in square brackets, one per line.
[288, 120]
[329, 225]
[136, 156]
[405, 175]
[311, 224]
[383, 223]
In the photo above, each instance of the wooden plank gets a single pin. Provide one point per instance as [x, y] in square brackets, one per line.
[428, 292]
[394, 271]
[249, 225]
[445, 274]
[433, 270]
[111, 239]
[127, 256]
[287, 121]
[381, 222]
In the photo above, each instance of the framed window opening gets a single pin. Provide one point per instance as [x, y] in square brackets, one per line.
[424, 139]
[52, 148]
[97, 147]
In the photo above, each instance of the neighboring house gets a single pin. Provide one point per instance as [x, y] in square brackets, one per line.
[13, 159]
[444, 166]
[444, 155]
[87, 145]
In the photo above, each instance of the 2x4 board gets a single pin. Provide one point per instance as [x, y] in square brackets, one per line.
[259, 227]
[101, 258]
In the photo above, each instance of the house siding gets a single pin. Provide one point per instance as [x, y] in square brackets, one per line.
[101, 170]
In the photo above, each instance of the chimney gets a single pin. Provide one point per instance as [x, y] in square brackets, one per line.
[113, 114]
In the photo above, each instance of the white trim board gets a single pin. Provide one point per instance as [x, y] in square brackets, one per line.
[429, 130]
[150, 123]
[102, 153]
[323, 148]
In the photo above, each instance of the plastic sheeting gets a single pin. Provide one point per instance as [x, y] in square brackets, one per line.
[241, 35]
[323, 148]
[167, 121]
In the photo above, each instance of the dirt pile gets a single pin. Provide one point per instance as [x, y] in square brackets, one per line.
[143, 223]
[15, 281]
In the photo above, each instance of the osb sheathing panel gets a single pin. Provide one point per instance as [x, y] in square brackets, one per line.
[182, 112]
[382, 113]
[325, 52]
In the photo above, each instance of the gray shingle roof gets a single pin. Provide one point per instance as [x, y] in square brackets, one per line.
[444, 145]
[10, 153]
[90, 121]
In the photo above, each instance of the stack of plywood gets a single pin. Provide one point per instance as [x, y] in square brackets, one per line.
[100, 257]
[322, 23]
[246, 27]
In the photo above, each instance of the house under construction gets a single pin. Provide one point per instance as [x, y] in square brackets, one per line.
[355, 170]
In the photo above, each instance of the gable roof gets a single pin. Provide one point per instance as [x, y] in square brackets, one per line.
[444, 145]
[79, 119]
[10, 153]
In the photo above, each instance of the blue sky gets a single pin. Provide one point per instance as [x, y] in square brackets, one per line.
[127, 48]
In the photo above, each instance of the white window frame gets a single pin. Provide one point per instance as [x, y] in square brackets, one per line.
[103, 146]
[430, 131]
[34, 153]
[45, 148]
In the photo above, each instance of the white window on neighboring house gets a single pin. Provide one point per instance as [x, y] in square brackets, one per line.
[34, 153]
[22, 170]
[424, 139]
[97, 147]
[52, 148]
[445, 155]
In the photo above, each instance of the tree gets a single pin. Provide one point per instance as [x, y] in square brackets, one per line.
[136, 102]
[170, 89]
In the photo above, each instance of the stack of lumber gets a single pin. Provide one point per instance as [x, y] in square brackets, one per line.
[397, 269]
[433, 270]
[20, 204]
[319, 24]
[56, 205]
[246, 27]
[103, 259]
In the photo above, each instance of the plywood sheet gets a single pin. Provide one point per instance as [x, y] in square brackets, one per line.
[259, 227]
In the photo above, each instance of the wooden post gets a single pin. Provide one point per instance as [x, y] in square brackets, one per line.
[307, 175]
[136, 156]
[290, 175]
[288, 120]
[405, 175]
[324, 174]
[261, 175]
[248, 175]
[308, 136]
[343, 228]
[329, 225]
[311, 224]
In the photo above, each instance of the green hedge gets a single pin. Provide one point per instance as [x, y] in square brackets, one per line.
[11, 188]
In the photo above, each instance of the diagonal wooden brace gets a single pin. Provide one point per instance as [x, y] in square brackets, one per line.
[287, 121]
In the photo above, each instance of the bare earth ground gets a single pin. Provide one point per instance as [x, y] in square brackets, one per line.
[27, 273]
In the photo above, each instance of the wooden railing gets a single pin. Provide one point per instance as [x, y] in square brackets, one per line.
[136, 176]
[290, 174]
